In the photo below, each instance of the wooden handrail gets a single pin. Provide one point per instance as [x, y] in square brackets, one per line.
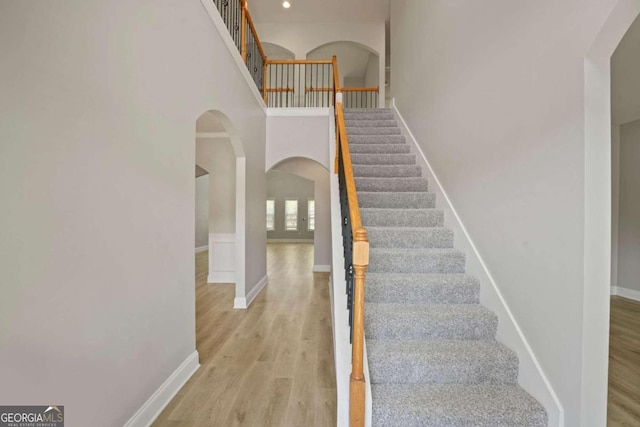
[360, 89]
[360, 262]
[318, 89]
[298, 61]
[255, 36]
[243, 30]
[279, 90]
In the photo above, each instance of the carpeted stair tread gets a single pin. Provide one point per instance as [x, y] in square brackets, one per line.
[377, 139]
[372, 123]
[383, 159]
[379, 148]
[410, 237]
[441, 362]
[373, 130]
[387, 184]
[453, 405]
[433, 358]
[393, 200]
[416, 260]
[385, 171]
[422, 288]
[429, 321]
[391, 217]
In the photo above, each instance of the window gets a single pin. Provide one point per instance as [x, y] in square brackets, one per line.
[312, 215]
[291, 215]
[271, 213]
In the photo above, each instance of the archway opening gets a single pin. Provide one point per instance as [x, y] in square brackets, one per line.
[298, 207]
[220, 153]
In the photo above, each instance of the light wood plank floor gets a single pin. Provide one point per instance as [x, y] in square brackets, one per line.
[624, 363]
[270, 365]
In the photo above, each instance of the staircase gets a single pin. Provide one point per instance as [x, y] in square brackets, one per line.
[433, 357]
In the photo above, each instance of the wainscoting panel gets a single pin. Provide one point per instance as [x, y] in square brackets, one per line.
[222, 258]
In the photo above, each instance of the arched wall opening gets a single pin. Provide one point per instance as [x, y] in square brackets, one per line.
[297, 178]
[275, 51]
[597, 216]
[220, 152]
[358, 64]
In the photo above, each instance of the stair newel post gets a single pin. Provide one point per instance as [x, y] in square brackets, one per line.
[243, 31]
[357, 386]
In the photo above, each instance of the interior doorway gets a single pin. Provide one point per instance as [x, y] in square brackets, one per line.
[624, 338]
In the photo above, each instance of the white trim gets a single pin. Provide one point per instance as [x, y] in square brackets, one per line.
[290, 240]
[212, 135]
[322, 269]
[242, 303]
[218, 277]
[241, 219]
[222, 237]
[298, 112]
[219, 24]
[202, 249]
[150, 410]
[625, 293]
[531, 382]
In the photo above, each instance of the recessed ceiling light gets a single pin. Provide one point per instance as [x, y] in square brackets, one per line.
[286, 4]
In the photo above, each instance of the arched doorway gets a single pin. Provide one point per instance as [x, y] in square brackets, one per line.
[219, 151]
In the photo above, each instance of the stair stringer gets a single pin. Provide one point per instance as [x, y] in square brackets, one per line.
[531, 376]
[339, 312]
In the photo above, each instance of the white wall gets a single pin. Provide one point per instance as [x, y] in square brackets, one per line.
[629, 222]
[500, 115]
[216, 155]
[97, 126]
[302, 38]
[372, 73]
[615, 201]
[625, 84]
[322, 235]
[202, 211]
[282, 186]
[290, 135]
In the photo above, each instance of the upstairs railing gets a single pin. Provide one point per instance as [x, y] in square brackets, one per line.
[288, 83]
[316, 83]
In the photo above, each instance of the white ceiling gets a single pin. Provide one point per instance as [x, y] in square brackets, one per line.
[319, 11]
[625, 77]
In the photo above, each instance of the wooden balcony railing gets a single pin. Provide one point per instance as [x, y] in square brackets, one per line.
[316, 83]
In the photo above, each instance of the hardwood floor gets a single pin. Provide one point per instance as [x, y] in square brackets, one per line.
[270, 365]
[624, 364]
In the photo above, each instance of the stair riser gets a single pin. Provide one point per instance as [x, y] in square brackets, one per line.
[383, 159]
[392, 184]
[415, 263]
[414, 238]
[402, 218]
[373, 131]
[396, 200]
[387, 123]
[418, 371]
[377, 139]
[421, 294]
[377, 171]
[414, 328]
[379, 149]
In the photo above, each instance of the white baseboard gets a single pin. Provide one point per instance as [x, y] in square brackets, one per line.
[625, 293]
[202, 249]
[242, 303]
[289, 240]
[322, 269]
[222, 277]
[531, 375]
[163, 395]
